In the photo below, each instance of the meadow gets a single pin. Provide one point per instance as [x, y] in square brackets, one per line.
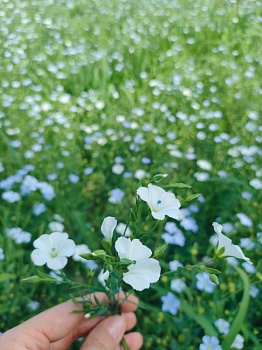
[97, 97]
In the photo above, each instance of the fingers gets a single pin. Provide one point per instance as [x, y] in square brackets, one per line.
[108, 333]
[134, 340]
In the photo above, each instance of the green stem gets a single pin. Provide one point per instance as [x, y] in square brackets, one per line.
[124, 344]
[240, 317]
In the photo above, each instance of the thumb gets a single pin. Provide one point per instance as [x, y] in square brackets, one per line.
[106, 335]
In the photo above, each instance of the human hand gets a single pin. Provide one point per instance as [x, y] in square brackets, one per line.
[57, 328]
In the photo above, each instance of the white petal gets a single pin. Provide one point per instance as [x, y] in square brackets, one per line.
[140, 275]
[68, 248]
[223, 241]
[57, 263]
[136, 281]
[43, 243]
[139, 251]
[217, 227]
[155, 193]
[123, 247]
[159, 215]
[173, 213]
[143, 193]
[39, 258]
[107, 228]
[57, 239]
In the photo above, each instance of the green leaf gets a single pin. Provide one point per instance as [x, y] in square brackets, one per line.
[6, 276]
[160, 251]
[192, 197]
[177, 185]
[240, 317]
[32, 279]
[159, 177]
[202, 320]
[213, 278]
[211, 270]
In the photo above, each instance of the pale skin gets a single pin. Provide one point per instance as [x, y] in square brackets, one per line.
[57, 328]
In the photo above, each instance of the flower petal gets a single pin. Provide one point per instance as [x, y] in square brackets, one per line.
[217, 227]
[143, 193]
[139, 251]
[141, 274]
[68, 248]
[39, 257]
[57, 239]
[123, 247]
[107, 228]
[43, 243]
[56, 263]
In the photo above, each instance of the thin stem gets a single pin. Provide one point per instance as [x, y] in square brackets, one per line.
[124, 344]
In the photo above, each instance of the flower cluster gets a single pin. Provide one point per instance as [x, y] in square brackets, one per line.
[128, 261]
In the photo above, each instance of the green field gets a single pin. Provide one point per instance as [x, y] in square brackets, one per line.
[97, 97]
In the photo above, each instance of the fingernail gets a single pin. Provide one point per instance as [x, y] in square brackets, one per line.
[115, 326]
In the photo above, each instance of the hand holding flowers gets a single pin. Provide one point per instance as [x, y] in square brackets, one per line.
[127, 261]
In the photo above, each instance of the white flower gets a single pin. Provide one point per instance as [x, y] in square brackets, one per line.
[222, 325]
[53, 250]
[56, 226]
[121, 228]
[103, 277]
[144, 270]
[81, 249]
[160, 202]
[226, 244]
[107, 227]
[238, 343]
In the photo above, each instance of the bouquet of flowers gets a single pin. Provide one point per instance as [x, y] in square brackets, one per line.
[127, 263]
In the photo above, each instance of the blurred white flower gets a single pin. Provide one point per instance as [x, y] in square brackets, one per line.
[160, 202]
[18, 235]
[222, 325]
[38, 209]
[117, 169]
[140, 174]
[46, 190]
[238, 343]
[256, 183]
[248, 267]
[144, 270]
[121, 228]
[210, 343]
[107, 227]
[204, 283]
[33, 305]
[2, 255]
[245, 220]
[225, 246]
[116, 196]
[73, 178]
[53, 250]
[177, 285]
[170, 303]
[102, 277]
[204, 164]
[174, 265]
[56, 226]
[11, 196]
[84, 249]
[253, 292]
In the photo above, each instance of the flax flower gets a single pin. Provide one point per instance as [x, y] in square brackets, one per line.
[143, 270]
[160, 202]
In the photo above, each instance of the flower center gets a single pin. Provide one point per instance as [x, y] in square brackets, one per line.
[134, 262]
[159, 201]
[53, 252]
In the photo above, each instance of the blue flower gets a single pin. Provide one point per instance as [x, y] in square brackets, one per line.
[170, 303]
